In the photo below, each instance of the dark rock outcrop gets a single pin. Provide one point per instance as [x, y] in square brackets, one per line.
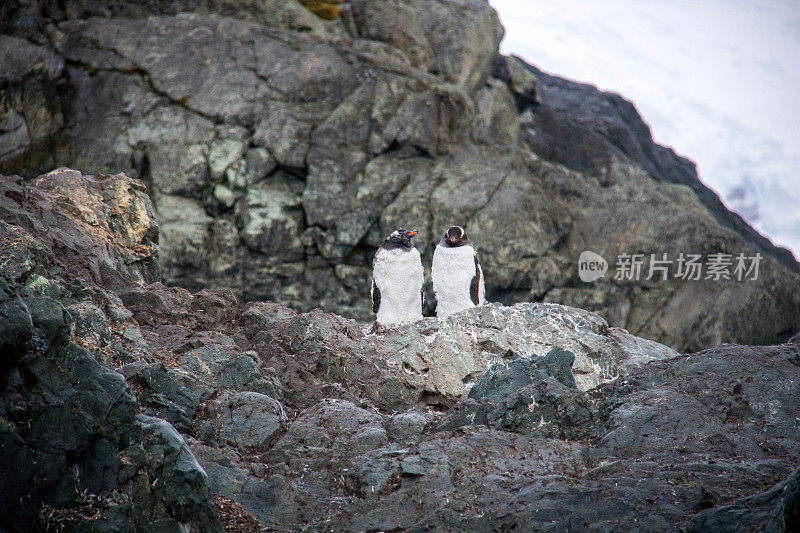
[657, 448]
[534, 396]
[280, 148]
[786, 515]
[73, 450]
[99, 228]
[126, 404]
[773, 511]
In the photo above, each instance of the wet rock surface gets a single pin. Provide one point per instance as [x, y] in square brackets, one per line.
[280, 148]
[127, 404]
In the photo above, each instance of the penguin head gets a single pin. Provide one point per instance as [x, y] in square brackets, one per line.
[400, 238]
[455, 236]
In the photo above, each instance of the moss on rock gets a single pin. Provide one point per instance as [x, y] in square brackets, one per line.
[323, 9]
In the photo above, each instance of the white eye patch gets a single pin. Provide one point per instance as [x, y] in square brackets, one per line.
[452, 232]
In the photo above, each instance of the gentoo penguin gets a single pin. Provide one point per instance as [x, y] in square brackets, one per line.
[456, 274]
[397, 280]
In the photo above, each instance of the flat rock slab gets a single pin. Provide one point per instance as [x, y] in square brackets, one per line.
[435, 362]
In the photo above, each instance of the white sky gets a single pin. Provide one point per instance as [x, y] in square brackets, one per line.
[717, 80]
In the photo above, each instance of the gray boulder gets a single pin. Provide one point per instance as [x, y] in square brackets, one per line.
[161, 395]
[246, 420]
[501, 381]
[107, 230]
[223, 368]
[786, 515]
[182, 481]
[528, 395]
[680, 394]
[745, 514]
[461, 53]
[435, 362]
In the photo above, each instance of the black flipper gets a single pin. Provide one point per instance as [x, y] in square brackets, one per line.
[376, 297]
[475, 284]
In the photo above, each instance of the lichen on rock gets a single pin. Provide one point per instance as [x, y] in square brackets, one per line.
[326, 10]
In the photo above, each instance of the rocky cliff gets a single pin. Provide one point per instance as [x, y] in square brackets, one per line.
[279, 148]
[128, 405]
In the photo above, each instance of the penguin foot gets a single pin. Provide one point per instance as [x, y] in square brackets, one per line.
[377, 329]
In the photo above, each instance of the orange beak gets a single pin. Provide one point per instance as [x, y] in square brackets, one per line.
[411, 233]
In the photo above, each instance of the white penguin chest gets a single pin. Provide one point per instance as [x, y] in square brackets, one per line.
[452, 272]
[399, 277]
